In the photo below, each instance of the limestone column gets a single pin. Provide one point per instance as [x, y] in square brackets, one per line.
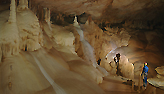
[16, 2]
[21, 2]
[30, 4]
[34, 9]
[26, 2]
[12, 27]
[49, 15]
[42, 13]
[12, 17]
[37, 10]
[45, 14]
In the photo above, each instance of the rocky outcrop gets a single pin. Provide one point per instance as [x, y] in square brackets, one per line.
[160, 70]
[159, 80]
[102, 41]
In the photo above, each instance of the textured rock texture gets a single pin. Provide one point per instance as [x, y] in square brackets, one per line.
[42, 52]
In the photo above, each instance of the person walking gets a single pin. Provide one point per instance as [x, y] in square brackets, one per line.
[144, 74]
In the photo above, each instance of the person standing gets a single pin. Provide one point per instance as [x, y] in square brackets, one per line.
[144, 74]
[117, 59]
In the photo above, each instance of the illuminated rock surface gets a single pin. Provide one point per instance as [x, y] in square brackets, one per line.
[38, 57]
[159, 80]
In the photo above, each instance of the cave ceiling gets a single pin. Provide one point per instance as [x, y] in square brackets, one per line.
[113, 11]
[108, 11]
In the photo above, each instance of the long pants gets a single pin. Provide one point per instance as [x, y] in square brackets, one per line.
[145, 80]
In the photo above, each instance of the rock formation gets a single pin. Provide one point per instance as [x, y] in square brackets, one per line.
[29, 30]
[9, 37]
[159, 80]
[69, 46]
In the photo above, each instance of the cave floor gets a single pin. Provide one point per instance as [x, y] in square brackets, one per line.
[120, 85]
[116, 85]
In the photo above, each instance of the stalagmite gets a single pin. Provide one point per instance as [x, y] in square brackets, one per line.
[9, 39]
[49, 14]
[30, 4]
[88, 50]
[21, 2]
[34, 9]
[45, 14]
[89, 20]
[16, 2]
[26, 2]
[29, 28]
[78, 28]
[40, 13]
[47, 17]
[37, 10]
[12, 17]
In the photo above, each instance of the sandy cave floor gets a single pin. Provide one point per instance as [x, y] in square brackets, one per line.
[119, 85]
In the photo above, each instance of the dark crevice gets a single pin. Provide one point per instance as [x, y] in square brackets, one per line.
[68, 19]
[25, 48]
[98, 62]
[2, 58]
